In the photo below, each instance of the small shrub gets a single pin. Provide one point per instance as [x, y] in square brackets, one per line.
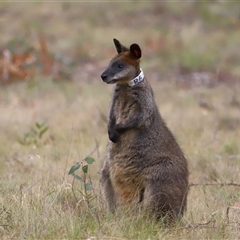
[86, 189]
[35, 135]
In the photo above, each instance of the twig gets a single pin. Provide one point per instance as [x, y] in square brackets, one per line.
[69, 150]
[201, 225]
[102, 115]
[94, 150]
[197, 225]
[73, 190]
[97, 146]
[29, 187]
[191, 227]
[215, 184]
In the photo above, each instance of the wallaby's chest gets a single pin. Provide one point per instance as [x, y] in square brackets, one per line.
[125, 105]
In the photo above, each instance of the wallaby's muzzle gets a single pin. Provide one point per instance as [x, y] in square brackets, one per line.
[104, 76]
[107, 78]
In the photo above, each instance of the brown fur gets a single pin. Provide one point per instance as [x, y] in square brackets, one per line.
[144, 163]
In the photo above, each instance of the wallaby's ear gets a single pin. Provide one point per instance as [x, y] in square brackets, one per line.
[120, 48]
[135, 51]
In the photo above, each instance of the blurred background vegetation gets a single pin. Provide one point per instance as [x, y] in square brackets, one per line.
[70, 41]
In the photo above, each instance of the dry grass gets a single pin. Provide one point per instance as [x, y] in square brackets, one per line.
[37, 198]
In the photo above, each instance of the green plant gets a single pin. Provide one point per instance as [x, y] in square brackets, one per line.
[231, 147]
[86, 190]
[34, 135]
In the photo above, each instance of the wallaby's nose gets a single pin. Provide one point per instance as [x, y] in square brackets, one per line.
[104, 76]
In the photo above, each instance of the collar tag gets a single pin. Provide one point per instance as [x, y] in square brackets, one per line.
[137, 79]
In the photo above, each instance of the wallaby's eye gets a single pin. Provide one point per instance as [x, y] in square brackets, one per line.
[120, 65]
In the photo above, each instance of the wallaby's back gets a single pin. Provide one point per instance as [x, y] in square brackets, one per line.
[144, 162]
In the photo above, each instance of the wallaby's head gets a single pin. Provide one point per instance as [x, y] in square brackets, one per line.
[124, 66]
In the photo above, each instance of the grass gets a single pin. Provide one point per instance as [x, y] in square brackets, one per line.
[36, 190]
[38, 199]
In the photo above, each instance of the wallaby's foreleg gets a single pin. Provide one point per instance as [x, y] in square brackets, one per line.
[107, 188]
[112, 134]
[114, 130]
[133, 123]
[135, 119]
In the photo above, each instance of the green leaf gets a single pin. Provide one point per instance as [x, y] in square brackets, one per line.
[38, 125]
[43, 131]
[22, 142]
[90, 160]
[74, 168]
[85, 168]
[77, 177]
[88, 186]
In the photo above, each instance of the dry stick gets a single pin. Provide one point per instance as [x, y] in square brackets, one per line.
[98, 155]
[215, 184]
[102, 115]
[69, 149]
[74, 195]
[191, 227]
[94, 150]
[97, 146]
[201, 225]
[29, 187]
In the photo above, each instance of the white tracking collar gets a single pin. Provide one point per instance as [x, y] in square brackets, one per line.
[137, 79]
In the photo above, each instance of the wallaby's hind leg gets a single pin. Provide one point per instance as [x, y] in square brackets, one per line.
[161, 203]
[156, 202]
[107, 188]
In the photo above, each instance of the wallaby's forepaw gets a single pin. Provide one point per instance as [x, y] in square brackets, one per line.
[118, 128]
[113, 136]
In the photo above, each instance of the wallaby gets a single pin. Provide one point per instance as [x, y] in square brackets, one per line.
[144, 163]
